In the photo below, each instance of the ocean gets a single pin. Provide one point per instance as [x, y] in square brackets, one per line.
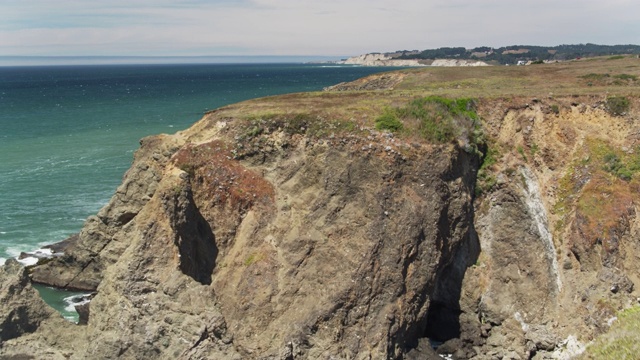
[68, 133]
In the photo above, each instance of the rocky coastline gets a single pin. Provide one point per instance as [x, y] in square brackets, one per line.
[295, 227]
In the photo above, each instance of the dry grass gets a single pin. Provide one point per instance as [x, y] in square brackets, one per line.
[603, 210]
[566, 78]
[603, 197]
[361, 108]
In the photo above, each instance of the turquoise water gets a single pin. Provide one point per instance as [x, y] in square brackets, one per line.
[67, 133]
[61, 300]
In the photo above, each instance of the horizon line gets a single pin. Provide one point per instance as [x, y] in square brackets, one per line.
[44, 60]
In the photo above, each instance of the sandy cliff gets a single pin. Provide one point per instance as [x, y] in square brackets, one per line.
[378, 59]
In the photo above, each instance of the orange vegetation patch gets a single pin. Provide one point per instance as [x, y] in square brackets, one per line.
[219, 178]
[603, 211]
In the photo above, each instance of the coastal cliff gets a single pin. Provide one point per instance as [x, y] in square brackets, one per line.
[378, 59]
[340, 225]
[381, 60]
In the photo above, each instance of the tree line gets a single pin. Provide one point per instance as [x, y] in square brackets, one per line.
[514, 53]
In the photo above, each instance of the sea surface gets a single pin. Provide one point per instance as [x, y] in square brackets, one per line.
[68, 133]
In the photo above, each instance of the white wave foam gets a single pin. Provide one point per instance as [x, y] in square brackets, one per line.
[28, 261]
[2, 260]
[76, 300]
[34, 255]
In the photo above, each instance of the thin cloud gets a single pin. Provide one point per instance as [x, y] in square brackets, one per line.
[279, 27]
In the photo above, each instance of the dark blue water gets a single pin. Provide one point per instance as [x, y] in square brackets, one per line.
[67, 133]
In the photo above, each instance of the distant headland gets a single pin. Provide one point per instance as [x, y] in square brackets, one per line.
[485, 55]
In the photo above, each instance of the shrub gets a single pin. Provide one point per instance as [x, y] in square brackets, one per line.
[594, 76]
[486, 180]
[555, 109]
[388, 121]
[520, 150]
[626, 77]
[624, 168]
[442, 119]
[617, 105]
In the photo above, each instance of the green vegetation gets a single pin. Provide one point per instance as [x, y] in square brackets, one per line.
[534, 149]
[594, 76]
[555, 109]
[608, 79]
[388, 121]
[520, 150]
[626, 77]
[603, 77]
[436, 119]
[486, 179]
[622, 166]
[253, 258]
[617, 105]
[440, 119]
[603, 157]
[622, 341]
[616, 57]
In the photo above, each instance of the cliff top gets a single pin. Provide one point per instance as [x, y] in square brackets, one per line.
[602, 75]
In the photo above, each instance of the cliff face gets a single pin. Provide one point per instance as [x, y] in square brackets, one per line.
[557, 228]
[235, 240]
[288, 228]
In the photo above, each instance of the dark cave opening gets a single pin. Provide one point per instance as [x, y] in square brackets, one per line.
[443, 322]
[443, 317]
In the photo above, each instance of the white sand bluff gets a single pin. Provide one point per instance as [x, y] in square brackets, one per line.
[380, 59]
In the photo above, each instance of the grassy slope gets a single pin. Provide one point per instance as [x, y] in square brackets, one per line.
[353, 109]
[622, 341]
[567, 78]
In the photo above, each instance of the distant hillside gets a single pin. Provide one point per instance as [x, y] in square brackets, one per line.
[514, 53]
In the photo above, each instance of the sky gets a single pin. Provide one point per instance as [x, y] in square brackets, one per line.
[304, 27]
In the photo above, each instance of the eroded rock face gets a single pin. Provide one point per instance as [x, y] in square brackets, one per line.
[301, 247]
[23, 310]
[98, 245]
[234, 241]
[23, 313]
[556, 229]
